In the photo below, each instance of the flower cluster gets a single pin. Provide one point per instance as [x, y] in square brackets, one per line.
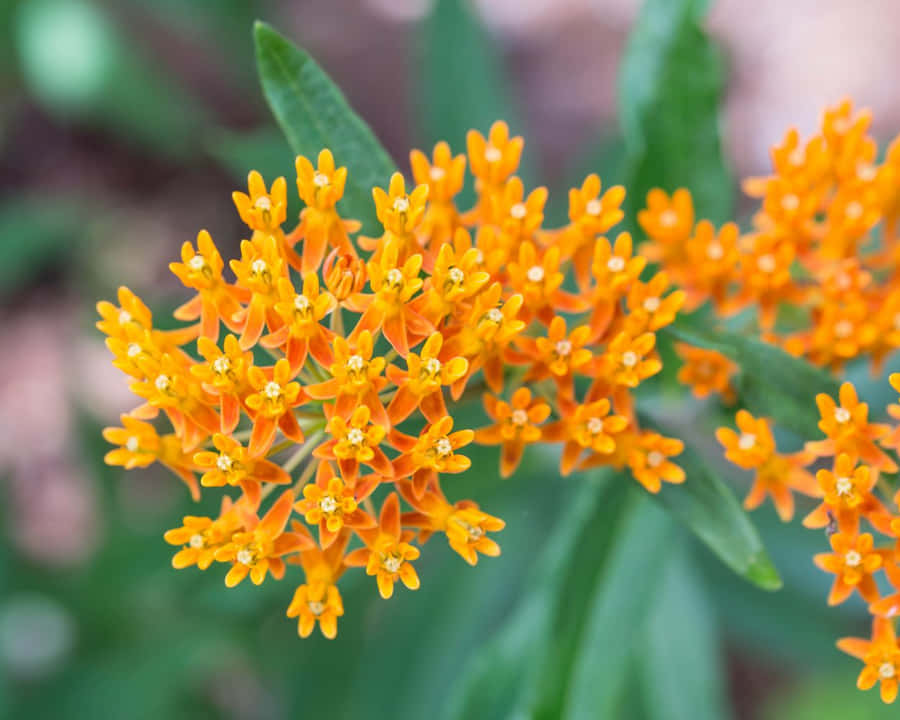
[848, 497]
[813, 250]
[325, 362]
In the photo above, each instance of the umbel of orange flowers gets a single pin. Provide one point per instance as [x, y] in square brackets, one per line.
[819, 211]
[373, 341]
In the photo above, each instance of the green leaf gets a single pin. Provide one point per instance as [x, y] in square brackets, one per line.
[623, 597]
[771, 382]
[313, 114]
[504, 677]
[708, 507]
[680, 635]
[461, 76]
[670, 87]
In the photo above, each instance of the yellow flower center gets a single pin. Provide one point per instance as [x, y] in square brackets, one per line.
[615, 264]
[401, 204]
[854, 210]
[272, 390]
[394, 278]
[843, 329]
[443, 447]
[224, 463]
[595, 426]
[245, 557]
[535, 274]
[328, 504]
[629, 358]
[494, 315]
[842, 415]
[162, 382]
[655, 458]
[668, 218]
[132, 444]
[797, 157]
[852, 558]
[866, 172]
[492, 154]
[436, 173]
[221, 365]
[593, 208]
[844, 486]
[315, 607]
[714, 251]
[651, 304]
[790, 202]
[432, 366]
[563, 348]
[258, 266]
[766, 263]
[196, 263]
[746, 441]
[518, 211]
[320, 179]
[355, 363]
[355, 437]
[196, 541]
[887, 670]
[519, 417]
[134, 350]
[456, 276]
[392, 563]
[263, 203]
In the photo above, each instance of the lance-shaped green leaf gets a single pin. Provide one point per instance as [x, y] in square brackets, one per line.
[618, 611]
[670, 87]
[771, 382]
[314, 114]
[682, 633]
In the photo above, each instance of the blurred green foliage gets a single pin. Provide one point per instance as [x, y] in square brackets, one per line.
[602, 605]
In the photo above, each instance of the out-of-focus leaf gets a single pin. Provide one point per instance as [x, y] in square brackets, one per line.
[34, 234]
[670, 86]
[461, 76]
[681, 665]
[709, 509]
[771, 382]
[78, 64]
[623, 597]
[314, 114]
[829, 698]
[504, 677]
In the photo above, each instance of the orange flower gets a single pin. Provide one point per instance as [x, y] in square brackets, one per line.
[354, 443]
[456, 277]
[232, 465]
[356, 378]
[422, 382]
[215, 300]
[881, 657]
[668, 222]
[853, 562]
[647, 303]
[258, 549]
[629, 360]
[588, 427]
[495, 158]
[301, 314]
[201, 537]
[387, 554]
[649, 461]
[273, 404]
[400, 214]
[710, 266]
[317, 603]
[590, 214]
[516, 425]
[224, 374]
[753, 446]
[320, 225]
[262, 210]
[434, 451]
[848, 430]
[777, 477]
[706, 371]
[257, 272]
[140, 446]
[847, 492]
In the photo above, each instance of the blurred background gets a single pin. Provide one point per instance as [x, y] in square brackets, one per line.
[124, 127]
